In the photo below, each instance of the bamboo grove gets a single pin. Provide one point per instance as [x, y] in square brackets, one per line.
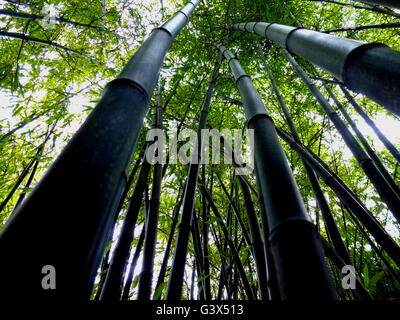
[312, 80]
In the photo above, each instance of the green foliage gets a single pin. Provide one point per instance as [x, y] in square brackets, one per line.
[42, 85]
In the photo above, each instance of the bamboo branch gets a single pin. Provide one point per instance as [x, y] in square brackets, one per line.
[374, 8]
[32, 16]
[373, 26]
[24, 37]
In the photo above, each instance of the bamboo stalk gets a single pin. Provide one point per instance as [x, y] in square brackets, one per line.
[105, 263]
[363, 141]
[206, 260]
[163, 268]
[258, 244]
[128, 283]
[146, 276]
[386, 3]
[374, 8]
[360, 292]
[370, 68]
[223, 276]
[91, 172]
[31, 16]
[32, 163]
[348, 199]
[377, 250]
[386, 142]
[199, 256]
[318, 193]
[273, 286]
[287, 218]
[178, 266]
[373, 26]
[384, 189]
[25, 37]
[112, 285]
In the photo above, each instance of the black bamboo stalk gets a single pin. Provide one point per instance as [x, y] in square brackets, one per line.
[360, 292]
[287, 217]
[124, 198]
[129, 184]
[349, 199]
[178, 266]
[363, 140]
[193, 279]
[106, 263]
[27, 185]
[90, 171]
[232, 269]
[128, 283]
[199, 256]
[254, 286]
[385, 3]
[229, 241]
[146, 276]
[21, 125]
[34, 169]
[21, 177]
[373, 26]
[220, 286]
[103, 273]
[386, 142]
[206, 260]
[112, 285]
[384, 189]
[332, 229]
[370, 68]
[374, 8]
[273, 286]
[258, 244]
[163, 269]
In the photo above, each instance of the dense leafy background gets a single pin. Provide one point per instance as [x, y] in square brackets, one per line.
[47, 90]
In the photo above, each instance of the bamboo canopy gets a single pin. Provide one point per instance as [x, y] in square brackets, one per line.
[220, 186]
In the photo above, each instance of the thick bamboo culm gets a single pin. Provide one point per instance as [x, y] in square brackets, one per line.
[101, 183]
[344, 193]
[285, 210]
[318, 193]
[370, 68]
[146, 275]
